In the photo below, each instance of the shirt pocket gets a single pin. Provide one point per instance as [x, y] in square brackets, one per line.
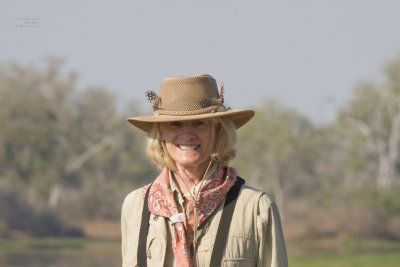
[240, 251]
[206, 243]
[155, 245]
[204, 250]
[239, 263]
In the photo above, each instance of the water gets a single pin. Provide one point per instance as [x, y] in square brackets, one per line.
[59, 253]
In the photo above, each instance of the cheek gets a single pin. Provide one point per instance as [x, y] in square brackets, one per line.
[208, 148]
[208, 145]
[170, 147]
[166, 136]
[208, 136]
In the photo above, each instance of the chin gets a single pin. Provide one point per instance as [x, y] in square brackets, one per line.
[189, 164]
[193, 163]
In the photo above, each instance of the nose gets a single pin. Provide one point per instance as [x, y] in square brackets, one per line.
[188, 132]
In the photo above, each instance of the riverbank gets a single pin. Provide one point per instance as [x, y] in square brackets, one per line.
[102, 252]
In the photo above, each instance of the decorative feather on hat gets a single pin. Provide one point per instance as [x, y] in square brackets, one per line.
[189, 98]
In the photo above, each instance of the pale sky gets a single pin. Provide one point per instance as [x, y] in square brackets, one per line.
[309, 54]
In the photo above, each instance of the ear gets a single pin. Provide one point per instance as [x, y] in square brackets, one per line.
[162, 138]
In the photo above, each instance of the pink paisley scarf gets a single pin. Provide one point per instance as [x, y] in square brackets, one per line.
[162, 203]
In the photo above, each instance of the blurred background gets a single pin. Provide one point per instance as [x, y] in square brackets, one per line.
[323, 77]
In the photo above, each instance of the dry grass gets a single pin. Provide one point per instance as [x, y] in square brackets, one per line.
[101, 229]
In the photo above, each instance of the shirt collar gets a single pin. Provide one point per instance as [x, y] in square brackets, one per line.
[175, 189]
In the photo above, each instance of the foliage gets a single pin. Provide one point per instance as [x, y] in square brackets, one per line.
[65, 152]
[68, 156]
[277, 151]
[371, 124]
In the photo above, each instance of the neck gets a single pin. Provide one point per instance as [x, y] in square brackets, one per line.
[190, 176]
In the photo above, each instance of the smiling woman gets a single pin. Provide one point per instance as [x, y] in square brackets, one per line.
[188, 143]
[197, 212]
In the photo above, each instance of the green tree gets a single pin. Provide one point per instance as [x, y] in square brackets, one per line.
[277, 151]
[371, 125]
[33, 105]
[65, 150]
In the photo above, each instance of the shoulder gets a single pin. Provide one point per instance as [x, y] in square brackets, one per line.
[133, 202]
[134, 196]
[251, 194]
[264, 205]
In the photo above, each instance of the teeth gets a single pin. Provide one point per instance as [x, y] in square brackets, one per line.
[187, 147]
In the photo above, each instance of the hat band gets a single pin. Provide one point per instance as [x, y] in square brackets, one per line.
[210, 109]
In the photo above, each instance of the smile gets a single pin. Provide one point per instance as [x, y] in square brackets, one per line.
[187, 147]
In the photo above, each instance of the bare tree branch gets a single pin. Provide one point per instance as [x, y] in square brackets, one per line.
[76, 163]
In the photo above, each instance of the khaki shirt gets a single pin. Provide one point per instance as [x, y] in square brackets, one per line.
[255, 237]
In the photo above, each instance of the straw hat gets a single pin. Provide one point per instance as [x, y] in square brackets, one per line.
[189, 98]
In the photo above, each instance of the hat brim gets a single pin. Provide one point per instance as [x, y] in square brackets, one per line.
[238, 117]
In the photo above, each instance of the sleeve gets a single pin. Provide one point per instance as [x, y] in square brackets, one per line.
[272, 249]
[123, 232]
[130, 221]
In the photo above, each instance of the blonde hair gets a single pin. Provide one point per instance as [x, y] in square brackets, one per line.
[223, 132]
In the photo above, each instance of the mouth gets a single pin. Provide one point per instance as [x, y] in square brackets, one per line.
[188, 147]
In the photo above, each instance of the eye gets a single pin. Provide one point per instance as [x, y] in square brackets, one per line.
[199, 123]
[175, 123]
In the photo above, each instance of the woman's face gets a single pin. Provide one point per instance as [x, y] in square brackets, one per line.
[188, 142]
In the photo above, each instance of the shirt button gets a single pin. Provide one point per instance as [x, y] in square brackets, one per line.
[155, 218]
